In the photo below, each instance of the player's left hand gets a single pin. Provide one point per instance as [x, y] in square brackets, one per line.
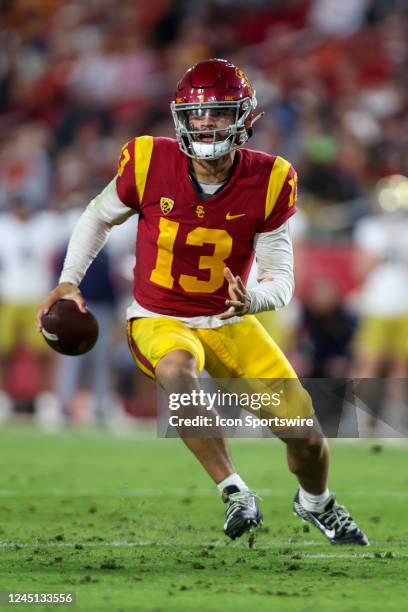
[240, 300]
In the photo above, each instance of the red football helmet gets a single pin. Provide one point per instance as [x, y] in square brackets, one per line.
[213, 87]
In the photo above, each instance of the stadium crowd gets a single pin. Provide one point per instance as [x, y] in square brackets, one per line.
[77, 80]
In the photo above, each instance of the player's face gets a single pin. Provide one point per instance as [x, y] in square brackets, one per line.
[208, 120]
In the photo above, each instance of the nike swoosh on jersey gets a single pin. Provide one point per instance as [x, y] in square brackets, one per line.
[229, 217]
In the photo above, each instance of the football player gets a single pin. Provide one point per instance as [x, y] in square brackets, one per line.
[205, 206]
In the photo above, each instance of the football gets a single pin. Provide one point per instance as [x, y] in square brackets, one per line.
[69, 331]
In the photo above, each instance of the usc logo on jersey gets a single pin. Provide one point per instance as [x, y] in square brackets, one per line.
[166, 204]
[200, 211]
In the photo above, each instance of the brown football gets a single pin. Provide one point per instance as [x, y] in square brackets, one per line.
[68, 330]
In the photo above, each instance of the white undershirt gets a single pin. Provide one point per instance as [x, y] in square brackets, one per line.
[210, 188]
[273, 252]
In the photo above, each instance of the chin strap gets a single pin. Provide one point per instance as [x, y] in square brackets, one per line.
[254, 120]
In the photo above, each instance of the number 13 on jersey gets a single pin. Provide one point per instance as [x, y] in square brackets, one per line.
[162, 274]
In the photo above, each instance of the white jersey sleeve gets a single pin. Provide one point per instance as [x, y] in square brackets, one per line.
[274, 254]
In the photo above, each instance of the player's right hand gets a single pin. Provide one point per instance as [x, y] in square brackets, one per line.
[64, 291]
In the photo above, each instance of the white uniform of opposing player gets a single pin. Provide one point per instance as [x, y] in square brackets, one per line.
[383, 332]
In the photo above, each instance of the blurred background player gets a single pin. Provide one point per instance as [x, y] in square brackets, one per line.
[328, 328]
[29, 239]
[381, 344]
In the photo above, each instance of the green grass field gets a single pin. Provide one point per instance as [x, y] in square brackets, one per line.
[134, 524]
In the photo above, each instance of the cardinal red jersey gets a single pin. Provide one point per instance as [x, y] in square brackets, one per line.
[184, 242]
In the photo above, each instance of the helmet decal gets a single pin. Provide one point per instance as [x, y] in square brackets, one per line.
[241, 74]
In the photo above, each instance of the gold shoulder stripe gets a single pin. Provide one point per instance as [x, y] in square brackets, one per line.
[143, 154]
[277, 178]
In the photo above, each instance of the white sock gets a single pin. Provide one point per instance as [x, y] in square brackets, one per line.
[232, 479]
[313, 503]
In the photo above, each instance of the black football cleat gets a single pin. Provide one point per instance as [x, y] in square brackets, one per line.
[242, 513]
[334, 522]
